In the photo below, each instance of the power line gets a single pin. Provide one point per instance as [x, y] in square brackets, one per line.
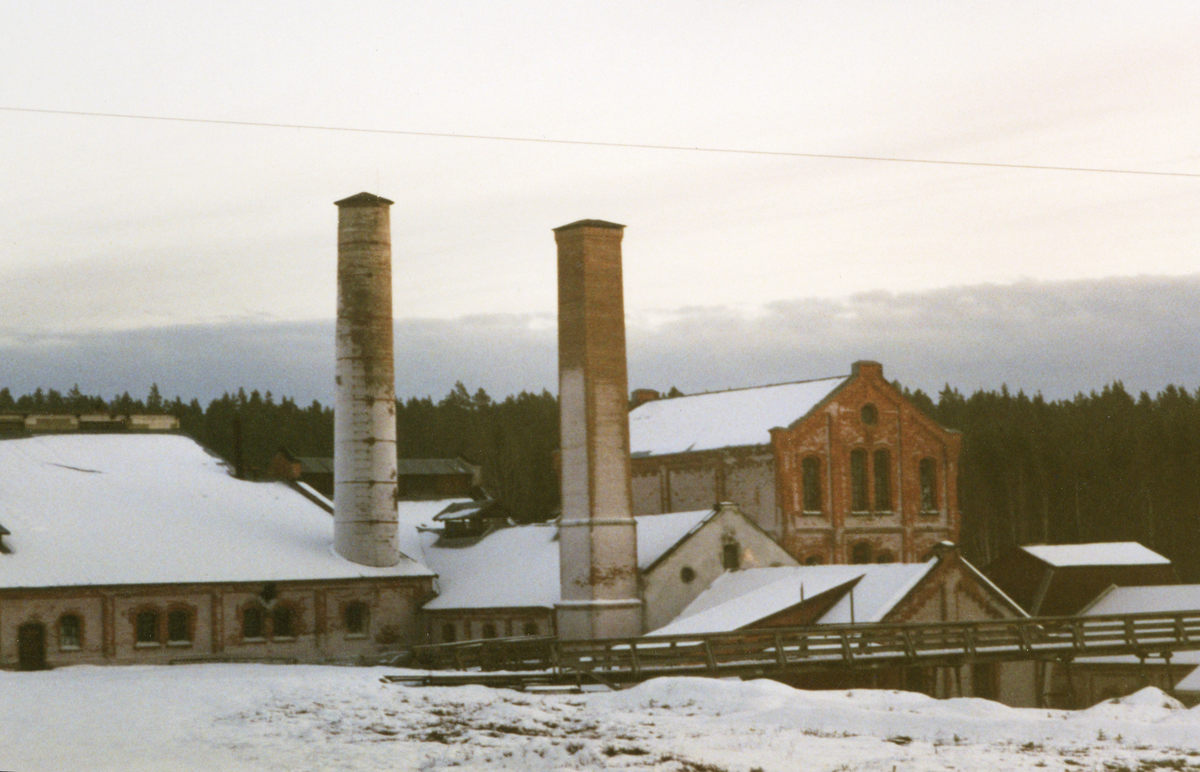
[591, 143]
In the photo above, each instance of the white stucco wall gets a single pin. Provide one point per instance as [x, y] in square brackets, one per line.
[664, 591]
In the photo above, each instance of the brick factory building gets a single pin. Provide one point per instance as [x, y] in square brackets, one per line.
[840, 470]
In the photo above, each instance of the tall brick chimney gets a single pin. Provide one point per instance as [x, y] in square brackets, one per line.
[365, 528]
[597, 535]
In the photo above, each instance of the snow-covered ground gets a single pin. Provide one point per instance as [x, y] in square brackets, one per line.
[262, 717]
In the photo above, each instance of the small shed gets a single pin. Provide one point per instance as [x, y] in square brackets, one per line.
[1062, 579]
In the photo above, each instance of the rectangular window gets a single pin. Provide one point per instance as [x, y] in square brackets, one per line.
[883, 481]
[858, 481]
[929, 497]
[283, 622]
[252, 622]
[731, 556]
[811, 475]
[179, 626]
[356, 618]
[70, 629]
[147, 627]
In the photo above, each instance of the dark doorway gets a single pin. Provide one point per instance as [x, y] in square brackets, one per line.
[31, 646]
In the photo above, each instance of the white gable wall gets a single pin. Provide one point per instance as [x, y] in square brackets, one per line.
[666, 594]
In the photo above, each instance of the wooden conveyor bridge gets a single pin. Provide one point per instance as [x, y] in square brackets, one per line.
[775, 652]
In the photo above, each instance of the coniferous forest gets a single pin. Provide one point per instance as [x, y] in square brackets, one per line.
[1105, 466]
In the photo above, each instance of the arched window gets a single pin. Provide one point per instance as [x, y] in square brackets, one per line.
[449, 633]
[858, 481]
[356, 618]
[530, 628]
[883, 480]
[811, 478]
[179, 626]
[489, 630]
[929, 497]
[253, 623]
[814, 560]
[70, 631]
[283, 622]
[860, 553]
[146, 626]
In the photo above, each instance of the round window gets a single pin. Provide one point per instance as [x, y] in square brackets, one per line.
[687, 574]
[870, 414]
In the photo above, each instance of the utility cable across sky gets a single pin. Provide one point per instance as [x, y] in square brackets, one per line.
[594, 143]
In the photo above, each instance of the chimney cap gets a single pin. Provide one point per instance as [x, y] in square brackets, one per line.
[589, 224]
[364, 199]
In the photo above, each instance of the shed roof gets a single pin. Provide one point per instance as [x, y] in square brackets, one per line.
[723, 419]
[740, 599]
[112, 509]
[1144, 600]
[1120, 553]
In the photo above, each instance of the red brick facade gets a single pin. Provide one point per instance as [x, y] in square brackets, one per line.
[863, 441]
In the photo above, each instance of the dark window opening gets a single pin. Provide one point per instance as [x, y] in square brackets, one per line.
[811, 477]
[885, 557]
[31, 646]
[179, 626]
[147, 627]
[283, 622]
[687, 574]
[356, 619]
[929, 498]
[870, 414]
[883, 481]
[252, 622]
[731, 556]
[860, 553]
[449, 633]
[858, 481]
[70, 632]
[814, 560]
[530, 628]
[489, 630]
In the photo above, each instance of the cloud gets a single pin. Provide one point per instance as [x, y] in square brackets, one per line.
[1055, 338]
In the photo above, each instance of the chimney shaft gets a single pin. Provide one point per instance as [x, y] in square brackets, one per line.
[598, 535]
[364, 431]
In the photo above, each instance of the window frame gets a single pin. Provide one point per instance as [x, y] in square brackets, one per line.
[362, 610]
[147, 620]
[731, 555]
[259, 612]
[812, 499]
[189, 627]
[927, 474]
[860, 487]
[881, 474]
[77, 620]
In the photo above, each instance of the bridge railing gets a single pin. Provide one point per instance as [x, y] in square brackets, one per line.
[827, 646]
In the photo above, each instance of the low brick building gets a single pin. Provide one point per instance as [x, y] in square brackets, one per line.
[840, 470]
[142, 547]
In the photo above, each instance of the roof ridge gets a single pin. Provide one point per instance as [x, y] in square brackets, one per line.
[751, 388]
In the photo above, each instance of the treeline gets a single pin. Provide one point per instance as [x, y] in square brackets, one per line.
[1100, 467]
[513, 440]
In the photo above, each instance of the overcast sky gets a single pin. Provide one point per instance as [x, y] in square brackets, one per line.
[202, 256]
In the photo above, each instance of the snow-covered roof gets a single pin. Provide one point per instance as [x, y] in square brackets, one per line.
[740, 599]
[1119, 553]
[1189, 683]
[518, 567]
[657, 534]
[1144, 600]
[110, 509]
[722, 419]
[513, 567]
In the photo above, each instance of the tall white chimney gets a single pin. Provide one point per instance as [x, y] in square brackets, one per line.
[365, 528]
[597, 533]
